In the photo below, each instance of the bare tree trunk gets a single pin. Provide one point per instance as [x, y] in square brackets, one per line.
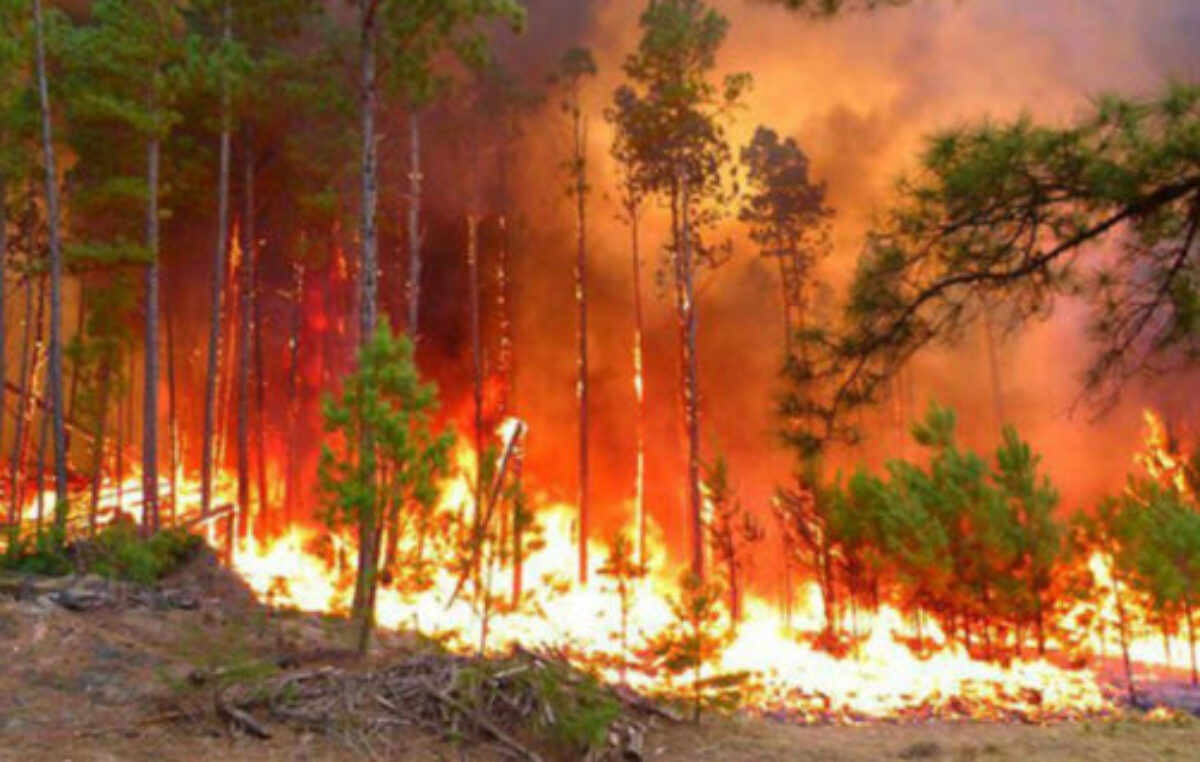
[639, 381]
[217, 313]
[29, 351]
[579, 164]
[366, 581]
[244, 345]
[4, 314]
[260, 379]
[1123, 633]
[56, 272]
[172, 415]
[476, 363]
[80, 326]
[504, 297]
[43, 435]
[123, 405]
[150, 515]
[415, 179]
[520, 519]
[14, 488]
[98, 447]
[691, 391]
[293, 456]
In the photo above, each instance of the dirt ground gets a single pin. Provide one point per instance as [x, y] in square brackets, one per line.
[128, 684]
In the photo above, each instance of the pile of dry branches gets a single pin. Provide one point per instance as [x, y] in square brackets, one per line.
[528, 706]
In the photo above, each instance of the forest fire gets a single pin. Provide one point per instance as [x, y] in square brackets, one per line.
[885, 674]
[598, 356]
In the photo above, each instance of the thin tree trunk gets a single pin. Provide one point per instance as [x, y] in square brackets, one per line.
[520, 519]
[4, 316]
[504, 296]
[29, 351]
[1123, 633]
[368, 284]
[581, 288]
[80, 325]
[150, 515]
[43, 432]
[217, 313]
[639, 381]
[98, 447]
[691, 392]
[244, 348]
[477, 366]
[172, 415]
[415, 179]
[56, 271]
[260, 378]
[122, 437]
[14, 487]
[293, 444]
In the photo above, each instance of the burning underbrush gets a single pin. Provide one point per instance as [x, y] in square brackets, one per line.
[629, 623]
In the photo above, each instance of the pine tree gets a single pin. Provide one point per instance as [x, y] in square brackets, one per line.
[670, 117]
[576, 65]
[732, 534]
[1007, 212]
[625, 570]
[15, 82]
[788, 220]
[366, 479]
[128, 75]
[632, 196]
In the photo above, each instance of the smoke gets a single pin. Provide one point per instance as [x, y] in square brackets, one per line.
[859, 93]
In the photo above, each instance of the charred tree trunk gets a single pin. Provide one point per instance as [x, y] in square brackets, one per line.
[150, 515]
[685, 270]
[43, 432]
[415, 179]
[260, 378]
[216, 308]
[504, 296]
[30, 351]
[477, 366]
[80, 324]
[3, 314]
[293, 456]
[368, 551]
[1123, 634]
[245, 325]
[172, 415]
[56, 274]
[639, 380]
[581, 298]
[98, 446]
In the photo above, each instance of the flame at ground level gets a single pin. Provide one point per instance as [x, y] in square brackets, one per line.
[882, 679]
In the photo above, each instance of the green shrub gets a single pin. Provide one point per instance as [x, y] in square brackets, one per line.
[122, 554]
[117, 552]
[44, 553]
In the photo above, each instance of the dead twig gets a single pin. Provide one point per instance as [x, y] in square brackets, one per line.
[241, 718]
[483, 723]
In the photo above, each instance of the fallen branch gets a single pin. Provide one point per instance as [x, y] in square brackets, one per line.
[242, 719]
[483, 723]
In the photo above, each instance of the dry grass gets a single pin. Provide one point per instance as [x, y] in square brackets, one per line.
[1106, 741]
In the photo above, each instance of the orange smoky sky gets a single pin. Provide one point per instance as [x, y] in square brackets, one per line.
[859, 93]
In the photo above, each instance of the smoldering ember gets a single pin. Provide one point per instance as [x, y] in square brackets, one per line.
[567, 379]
